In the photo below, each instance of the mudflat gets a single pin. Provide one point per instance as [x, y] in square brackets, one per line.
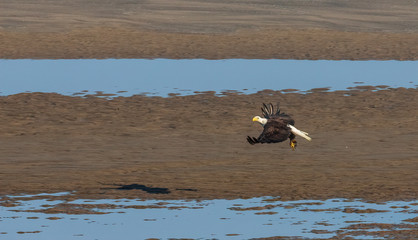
[356, 30]
[364, 146]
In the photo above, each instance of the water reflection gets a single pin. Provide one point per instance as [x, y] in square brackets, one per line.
[161, 77]
[47, 218]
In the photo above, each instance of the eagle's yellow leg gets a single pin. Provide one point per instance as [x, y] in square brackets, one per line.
[293, 144]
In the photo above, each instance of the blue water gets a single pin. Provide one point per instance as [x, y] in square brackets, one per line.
[219, 219]
[163, 76]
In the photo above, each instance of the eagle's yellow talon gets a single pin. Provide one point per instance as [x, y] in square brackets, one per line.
[293, 144]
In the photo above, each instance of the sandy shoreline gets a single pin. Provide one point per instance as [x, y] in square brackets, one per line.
[178, 29]
[364, 146]
[257, 44]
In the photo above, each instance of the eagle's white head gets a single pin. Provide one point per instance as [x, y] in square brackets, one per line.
[259, 119]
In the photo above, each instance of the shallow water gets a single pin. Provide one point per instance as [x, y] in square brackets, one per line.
[126, 77]
[219, 219]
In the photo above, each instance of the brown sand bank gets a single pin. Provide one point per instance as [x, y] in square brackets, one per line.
[364, 146]
[260, 44]
[211, 29]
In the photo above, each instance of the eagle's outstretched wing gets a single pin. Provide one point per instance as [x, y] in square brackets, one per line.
[270, 113]
[268, 110]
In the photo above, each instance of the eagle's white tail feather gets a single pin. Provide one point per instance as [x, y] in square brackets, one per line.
[299, 132]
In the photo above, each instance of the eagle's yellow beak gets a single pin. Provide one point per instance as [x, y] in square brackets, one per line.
[255, 119]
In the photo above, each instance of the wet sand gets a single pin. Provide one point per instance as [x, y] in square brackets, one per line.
[194, 147]
[257, 44]
[178, 29]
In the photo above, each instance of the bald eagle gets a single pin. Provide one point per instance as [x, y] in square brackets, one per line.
[277, 127]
